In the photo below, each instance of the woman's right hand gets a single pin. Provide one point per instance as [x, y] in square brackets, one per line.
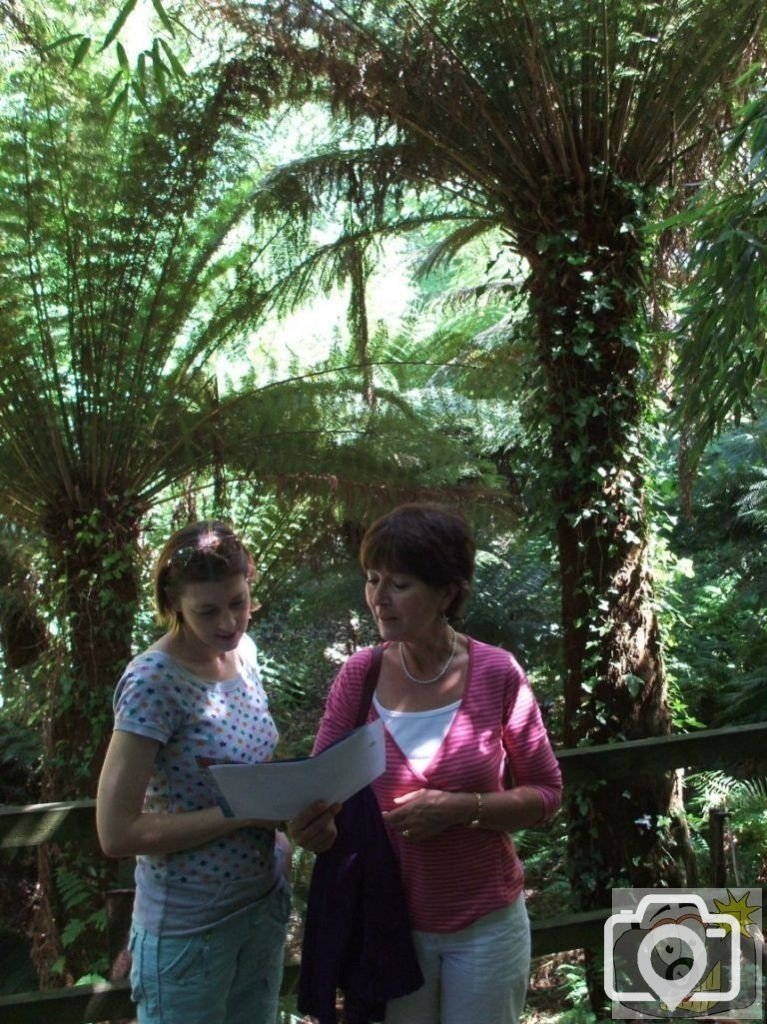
[315, 828]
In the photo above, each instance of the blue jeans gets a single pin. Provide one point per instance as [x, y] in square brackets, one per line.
[229, 974]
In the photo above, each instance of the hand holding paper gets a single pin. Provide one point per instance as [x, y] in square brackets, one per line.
[277, 790]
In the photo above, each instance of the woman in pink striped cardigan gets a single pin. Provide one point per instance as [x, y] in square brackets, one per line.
[468, 763]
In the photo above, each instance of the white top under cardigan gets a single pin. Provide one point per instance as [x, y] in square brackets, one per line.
[418, 734]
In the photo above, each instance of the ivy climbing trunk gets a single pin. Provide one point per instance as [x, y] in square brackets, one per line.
[94, 557]
[586, 288]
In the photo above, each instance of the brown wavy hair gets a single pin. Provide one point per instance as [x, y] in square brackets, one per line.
[203, 552]
[433, 542]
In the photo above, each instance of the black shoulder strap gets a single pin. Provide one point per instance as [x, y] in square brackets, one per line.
[370, 684]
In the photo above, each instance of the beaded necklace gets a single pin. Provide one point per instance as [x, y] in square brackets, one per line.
[442, 671]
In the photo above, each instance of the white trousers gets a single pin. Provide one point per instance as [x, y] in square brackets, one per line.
[478, 975]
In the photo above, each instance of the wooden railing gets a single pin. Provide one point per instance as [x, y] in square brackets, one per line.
[41, 823]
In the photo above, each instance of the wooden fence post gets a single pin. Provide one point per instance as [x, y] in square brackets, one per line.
[718, 872]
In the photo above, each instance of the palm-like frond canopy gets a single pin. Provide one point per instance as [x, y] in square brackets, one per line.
[112, 234]
[132, 253]
[530, 109]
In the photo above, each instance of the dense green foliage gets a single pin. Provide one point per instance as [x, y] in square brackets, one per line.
[569, 134]
[161, 216]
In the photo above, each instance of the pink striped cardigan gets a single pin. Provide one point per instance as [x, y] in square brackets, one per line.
[463, 873]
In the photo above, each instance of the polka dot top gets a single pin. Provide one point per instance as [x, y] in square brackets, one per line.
[197, 722]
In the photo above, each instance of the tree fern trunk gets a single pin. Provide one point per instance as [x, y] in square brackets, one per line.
[95, 562]
[585, 292]
[94, 557]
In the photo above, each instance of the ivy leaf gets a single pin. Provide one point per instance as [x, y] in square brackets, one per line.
[634, 684]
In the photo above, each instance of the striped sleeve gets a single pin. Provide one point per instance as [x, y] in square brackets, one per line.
[530, 759]
[343, 700]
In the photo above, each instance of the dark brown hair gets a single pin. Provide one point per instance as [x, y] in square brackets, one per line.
[432, 542]
[203, 552]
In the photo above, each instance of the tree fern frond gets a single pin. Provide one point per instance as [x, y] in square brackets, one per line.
[751, 795]
[714, 788]
[744, 701]
[753, 504]
[718, 789]
[73, 888]
[447, 247]
[121, 275]
[565, 90]
[324, 266]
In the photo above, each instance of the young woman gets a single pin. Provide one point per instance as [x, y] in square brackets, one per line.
[468, 762]
[212, 896]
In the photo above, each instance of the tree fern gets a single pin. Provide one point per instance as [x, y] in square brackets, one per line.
[753, 505]
[562, 123]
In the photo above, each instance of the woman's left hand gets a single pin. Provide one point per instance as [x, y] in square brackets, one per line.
[427, 812]
[315, 828]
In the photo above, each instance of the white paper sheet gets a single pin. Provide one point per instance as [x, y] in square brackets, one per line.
[278, 790]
